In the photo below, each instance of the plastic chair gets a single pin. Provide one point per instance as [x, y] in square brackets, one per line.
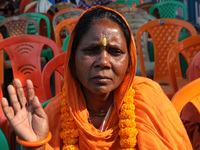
[4, 142]
[18, 25]
[189, 93]
[44, 30]
[164, 33]
[25, 54]
[136, 20]
[125, 8]
[188, 47]
[66, 25]
[65, 14]
[54, 65]
[146, 6]
[43, 22]
[168, 9]
[60, 6]
[129, 2]
[65, 43]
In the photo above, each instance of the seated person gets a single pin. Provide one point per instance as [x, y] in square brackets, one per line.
[90, 3]
[190, 116]
[6, 8]
[103, 105]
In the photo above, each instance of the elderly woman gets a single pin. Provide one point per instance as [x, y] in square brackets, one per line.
[103, 105]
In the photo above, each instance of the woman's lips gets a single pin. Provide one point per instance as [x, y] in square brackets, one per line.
[101, 79]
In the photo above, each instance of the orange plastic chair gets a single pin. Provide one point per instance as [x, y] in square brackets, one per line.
[189, 93]
[66, 25]
[164, 34]
[188, 47]
[54, 65]
[65, 14]
[18, 25]
[25, 54]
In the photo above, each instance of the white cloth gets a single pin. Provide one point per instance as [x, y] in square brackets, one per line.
[43, 6]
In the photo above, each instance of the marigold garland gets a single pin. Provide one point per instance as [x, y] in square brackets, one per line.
[69, 132]
[127, 125]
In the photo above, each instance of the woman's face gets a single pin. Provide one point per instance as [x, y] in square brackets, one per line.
[102, 58]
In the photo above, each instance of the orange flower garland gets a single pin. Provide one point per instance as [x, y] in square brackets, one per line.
[69, 132]
[127, 124]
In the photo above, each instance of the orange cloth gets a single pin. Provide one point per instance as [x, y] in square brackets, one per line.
[158, 123]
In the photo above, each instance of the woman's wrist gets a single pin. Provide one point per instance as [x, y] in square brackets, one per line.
[34, 144]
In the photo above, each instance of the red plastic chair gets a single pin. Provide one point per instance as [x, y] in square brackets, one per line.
[1, 64]
[66, 25]
[164, 33]
[54, 65]
[188, 47]
[24, 52]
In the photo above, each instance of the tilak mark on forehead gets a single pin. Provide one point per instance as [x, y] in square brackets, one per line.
[104, 41]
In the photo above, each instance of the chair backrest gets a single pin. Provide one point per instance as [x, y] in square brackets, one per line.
[24, 52]
[65, 43]
[60, 6]
[65, 14]
[168, 9]
[164, 34]
[146, 6]
[186, 94]
[129, 2]
[125, 8]
[66, 25]
[43, 22]
[4, 142]
[54, 65]
[2, 17]
[136, 20]
[188, 47]
[18, 25]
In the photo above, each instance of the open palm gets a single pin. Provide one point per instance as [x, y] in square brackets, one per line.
[26, 116]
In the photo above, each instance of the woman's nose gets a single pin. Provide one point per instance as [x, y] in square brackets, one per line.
[103, 60]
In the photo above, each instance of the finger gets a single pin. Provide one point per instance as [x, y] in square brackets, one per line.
[30, 91]
[38, 109]
[20, 92]
[6, 109]
[13, 98]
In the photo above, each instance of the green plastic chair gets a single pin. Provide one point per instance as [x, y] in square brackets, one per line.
[4, 142]
[44, 30]
[129, 2]
[168, 9]
[65, 43]
[2, 17]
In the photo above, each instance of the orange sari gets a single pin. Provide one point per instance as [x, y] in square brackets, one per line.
[157, 121]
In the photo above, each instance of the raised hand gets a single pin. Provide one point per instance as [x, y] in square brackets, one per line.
[26, 116]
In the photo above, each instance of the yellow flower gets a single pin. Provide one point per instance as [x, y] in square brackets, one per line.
[127, 114]
[127, 123]
[70, 141]
[128, 107]
[128, 142]
[70, 147]
[128, 132]
[69, 133]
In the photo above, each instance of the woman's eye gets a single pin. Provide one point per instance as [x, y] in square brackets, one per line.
[90, 51]
[115, 52]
